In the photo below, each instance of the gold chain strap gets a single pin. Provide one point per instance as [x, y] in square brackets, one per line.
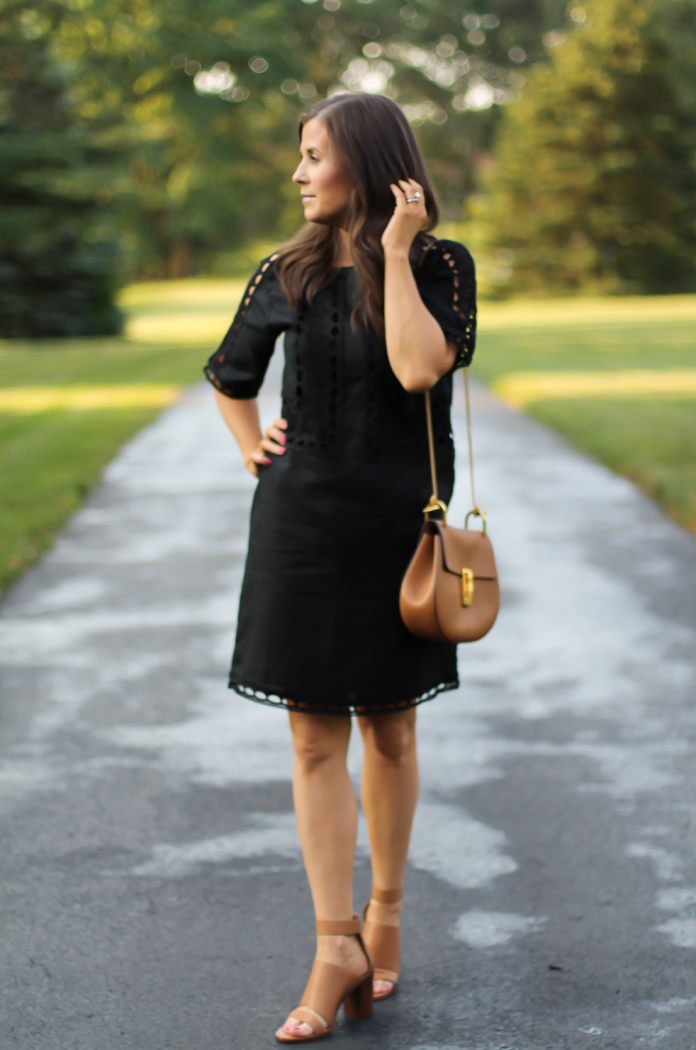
[431, 443]
[436, 503]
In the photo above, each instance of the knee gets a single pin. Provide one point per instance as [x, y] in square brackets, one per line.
[315, 746]
[392, 742]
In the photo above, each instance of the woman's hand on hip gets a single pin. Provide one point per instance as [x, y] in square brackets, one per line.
[407, 219]
[273, 442]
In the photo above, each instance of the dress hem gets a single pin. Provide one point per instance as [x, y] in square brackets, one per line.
[260, 696]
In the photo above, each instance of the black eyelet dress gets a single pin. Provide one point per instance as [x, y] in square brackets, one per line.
[335, 520]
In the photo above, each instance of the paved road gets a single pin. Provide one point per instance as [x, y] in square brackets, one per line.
[152, 893]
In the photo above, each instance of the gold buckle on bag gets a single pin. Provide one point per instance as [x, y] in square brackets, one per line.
[477, 513]
[467, 587]
[436, 504]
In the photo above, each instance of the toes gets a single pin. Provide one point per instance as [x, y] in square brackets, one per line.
[294, 1027]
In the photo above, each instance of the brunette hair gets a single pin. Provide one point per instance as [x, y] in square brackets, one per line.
[375, 146]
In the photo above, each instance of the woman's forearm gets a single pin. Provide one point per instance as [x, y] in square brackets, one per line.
[418, 351]
[242, 417]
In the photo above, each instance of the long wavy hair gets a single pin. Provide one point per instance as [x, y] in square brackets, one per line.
[374, 146]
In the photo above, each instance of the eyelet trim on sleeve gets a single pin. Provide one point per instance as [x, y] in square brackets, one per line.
[248, 296]
[464, 303]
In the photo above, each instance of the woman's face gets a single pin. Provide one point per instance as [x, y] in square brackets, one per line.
[325, 189]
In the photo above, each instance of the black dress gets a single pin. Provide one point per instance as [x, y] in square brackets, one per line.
[335, 520]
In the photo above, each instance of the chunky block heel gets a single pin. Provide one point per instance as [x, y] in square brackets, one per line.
[359, 1003]
[329, 986]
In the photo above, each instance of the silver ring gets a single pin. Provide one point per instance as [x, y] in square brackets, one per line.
[415, 197]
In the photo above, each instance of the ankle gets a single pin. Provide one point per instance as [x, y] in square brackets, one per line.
[384, 914]
[341, 950]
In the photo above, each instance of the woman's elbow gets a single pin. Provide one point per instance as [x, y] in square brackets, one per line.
[417, 377]
[418, 380]
[418, 384]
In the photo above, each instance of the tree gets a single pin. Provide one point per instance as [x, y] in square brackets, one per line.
[594, 186]
[170, 125]
[204, 96]
[53, 278]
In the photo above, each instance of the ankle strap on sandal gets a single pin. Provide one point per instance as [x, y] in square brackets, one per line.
[387, 896]
[337, 927]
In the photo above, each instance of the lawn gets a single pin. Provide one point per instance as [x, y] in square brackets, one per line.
[617, 377]
[67, 406]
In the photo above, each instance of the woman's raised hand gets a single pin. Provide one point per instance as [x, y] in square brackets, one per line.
[407, 219]
[273, 442]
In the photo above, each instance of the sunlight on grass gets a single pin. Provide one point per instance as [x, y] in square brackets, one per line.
[180, 329]
[181, 312]
[622, 310]
[200, 293]
[522, 388]
[29, 399]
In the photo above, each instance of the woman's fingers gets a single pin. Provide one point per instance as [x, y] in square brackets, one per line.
[272, 446]
[275, 439]
[407, 219]
[273, 442]
[275, 434]
[410, 188]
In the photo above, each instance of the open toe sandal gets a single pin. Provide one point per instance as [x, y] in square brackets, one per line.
[329, 986]
[383, 942]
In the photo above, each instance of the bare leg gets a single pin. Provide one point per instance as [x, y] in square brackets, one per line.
[389, 795]
[327, 821]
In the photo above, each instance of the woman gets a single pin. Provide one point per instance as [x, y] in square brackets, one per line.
[375, 312]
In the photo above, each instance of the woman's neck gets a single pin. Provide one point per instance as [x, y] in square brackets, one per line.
[343, 249]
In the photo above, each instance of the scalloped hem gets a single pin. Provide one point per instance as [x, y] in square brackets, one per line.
[259, 696]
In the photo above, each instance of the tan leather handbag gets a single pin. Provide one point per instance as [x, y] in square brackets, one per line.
[450, 591]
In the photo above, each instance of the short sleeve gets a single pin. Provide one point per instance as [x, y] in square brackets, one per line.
[238, 366]
[446, 281]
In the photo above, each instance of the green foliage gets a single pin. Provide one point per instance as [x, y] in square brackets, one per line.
[205, 161]
[58, 288]
[55, 276]
[594, 187]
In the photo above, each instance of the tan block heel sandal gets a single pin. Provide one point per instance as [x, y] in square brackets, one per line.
[382, 942]
[329, 986]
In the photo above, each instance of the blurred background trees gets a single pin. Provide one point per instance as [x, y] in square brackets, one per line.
[163, 133]
[55, 276]
[595, 182]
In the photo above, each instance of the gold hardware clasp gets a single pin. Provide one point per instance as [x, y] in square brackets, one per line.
[467, 587]
[478, 513]
[436, 504]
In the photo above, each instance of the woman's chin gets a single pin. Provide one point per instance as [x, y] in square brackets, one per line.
[315, 215]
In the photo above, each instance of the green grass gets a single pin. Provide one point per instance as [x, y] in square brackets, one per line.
[649, 439]
[50, 459]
